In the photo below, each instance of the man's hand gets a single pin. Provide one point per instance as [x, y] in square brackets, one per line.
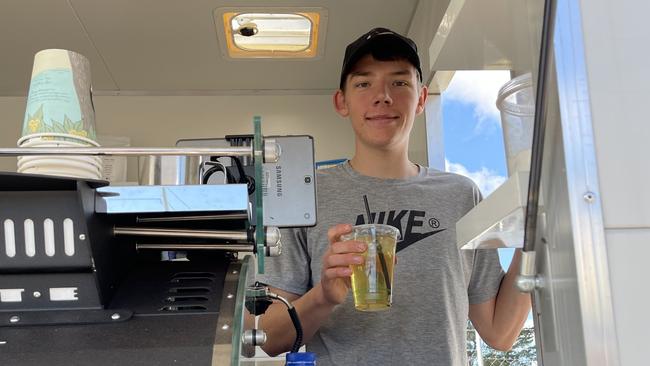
[336, 272]
[316, 305]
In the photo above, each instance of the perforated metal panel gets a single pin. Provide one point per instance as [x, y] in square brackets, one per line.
[42, 231]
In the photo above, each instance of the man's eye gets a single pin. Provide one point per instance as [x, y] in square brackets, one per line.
[400, 83]
[363, 84]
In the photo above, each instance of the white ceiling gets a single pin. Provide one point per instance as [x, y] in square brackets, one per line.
[170, 47]
[495, 34]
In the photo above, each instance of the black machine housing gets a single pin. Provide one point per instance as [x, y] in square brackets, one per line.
[83, 296]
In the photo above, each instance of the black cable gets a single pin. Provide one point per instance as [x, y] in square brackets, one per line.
[250, 184]
[243, 178]
[217, 168]
[296, 323]
[294, 319]
[240, 169]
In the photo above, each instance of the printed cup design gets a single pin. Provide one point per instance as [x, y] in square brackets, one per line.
[60, 98]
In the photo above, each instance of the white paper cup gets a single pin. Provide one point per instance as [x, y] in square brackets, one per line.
[62, 172]
[60, 97]
[53, 161]
[65, 170]
[64, 139]
[79, 166]
[45, 140]
[72, 159]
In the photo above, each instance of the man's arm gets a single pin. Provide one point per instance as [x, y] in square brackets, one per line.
[280, 332]
[315, 306]
[500, 320]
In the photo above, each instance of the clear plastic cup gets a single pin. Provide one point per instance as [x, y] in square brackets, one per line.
[516, 102]
[372, 281]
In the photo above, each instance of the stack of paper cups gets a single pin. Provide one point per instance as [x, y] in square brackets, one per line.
[89, 167]
[60, 113]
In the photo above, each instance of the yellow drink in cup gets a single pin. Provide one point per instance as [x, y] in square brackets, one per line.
[373, 279]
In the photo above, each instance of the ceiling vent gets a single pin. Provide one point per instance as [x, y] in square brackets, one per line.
[282, 33]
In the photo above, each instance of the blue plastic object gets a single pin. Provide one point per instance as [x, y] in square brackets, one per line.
[301, 359]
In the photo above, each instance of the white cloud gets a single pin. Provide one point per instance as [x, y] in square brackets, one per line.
[486, 180]
[480, 89]
[529, 322]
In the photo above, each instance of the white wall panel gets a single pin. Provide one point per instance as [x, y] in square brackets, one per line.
[628, 252]
[615, 36]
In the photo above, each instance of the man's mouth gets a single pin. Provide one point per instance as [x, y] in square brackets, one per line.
[381, 118]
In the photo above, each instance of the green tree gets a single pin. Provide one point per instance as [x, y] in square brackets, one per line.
[523, 352]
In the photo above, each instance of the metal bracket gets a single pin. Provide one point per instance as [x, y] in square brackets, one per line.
[528, 280]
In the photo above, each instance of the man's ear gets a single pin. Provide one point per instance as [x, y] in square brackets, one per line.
[422, 99]
[339, 104]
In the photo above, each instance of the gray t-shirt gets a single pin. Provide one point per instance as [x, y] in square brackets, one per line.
[434, 281]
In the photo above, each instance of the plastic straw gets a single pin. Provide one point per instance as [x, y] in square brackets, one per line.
[382, 259]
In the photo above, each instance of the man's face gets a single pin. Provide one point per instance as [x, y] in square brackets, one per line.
[382, 99]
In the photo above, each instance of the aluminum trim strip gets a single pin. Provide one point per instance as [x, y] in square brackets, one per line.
[227, 338]
[592, 268]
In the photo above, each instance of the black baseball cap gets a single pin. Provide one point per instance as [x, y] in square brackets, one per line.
[384, 45]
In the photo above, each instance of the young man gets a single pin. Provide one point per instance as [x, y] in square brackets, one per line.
[436, 286]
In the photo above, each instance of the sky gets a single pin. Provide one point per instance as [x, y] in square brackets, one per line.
[472, 132]
[473, 137]
[472, 127]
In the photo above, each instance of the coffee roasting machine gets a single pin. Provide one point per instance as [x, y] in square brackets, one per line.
[151, 274]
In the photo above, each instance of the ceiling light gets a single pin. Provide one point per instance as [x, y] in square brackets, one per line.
[270, 33]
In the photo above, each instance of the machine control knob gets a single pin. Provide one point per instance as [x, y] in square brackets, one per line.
[274, 251]
[253, 337]
[271, 234]
[272, 151]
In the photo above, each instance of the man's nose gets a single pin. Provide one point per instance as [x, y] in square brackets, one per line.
[382, 95]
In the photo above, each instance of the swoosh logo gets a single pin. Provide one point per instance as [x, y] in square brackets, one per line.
[412, 238]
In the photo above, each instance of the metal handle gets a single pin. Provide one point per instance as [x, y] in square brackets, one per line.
[271, 151]
[539, 128]
[127, 151]
[527, 280]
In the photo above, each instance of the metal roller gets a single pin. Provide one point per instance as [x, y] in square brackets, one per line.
[269, 251]
[272, 234]
[271, 151]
